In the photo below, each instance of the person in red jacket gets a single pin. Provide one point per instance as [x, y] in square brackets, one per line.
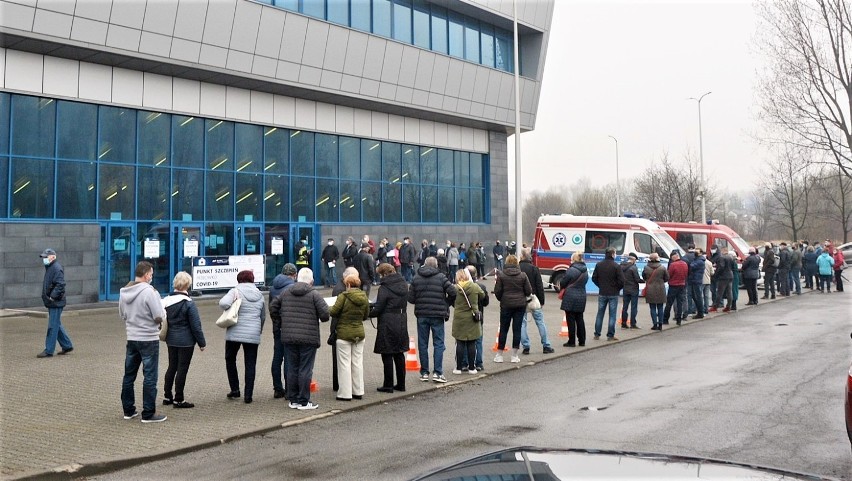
[839, 265]
[678, 270]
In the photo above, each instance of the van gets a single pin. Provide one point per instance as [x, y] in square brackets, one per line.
[706, 236]
[559, 236]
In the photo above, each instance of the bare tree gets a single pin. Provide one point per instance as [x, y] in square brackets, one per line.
[833, 199]
[789, 185]
[553, 201]
[670, 192]
[590, 200]
[758, 226]
[806, 92]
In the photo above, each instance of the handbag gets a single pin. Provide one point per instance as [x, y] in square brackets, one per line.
[562, 291]
[533, 303]
[164, 329]
[230, 316]
[477, 314]
[645, 289]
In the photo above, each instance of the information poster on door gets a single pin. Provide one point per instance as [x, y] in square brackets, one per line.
[151, 249]
[220, 272]
[190, 247]
[277, 247]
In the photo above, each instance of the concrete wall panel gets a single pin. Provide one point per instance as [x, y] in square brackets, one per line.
[52, 23]
[24, 71]
[95, 82]
[160, 16]
[186, 95]
[245, 27]
[127, 86]
[61, 76]
[189, 22]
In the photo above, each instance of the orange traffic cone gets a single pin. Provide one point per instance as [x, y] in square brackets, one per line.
[412, 362]
[497, 342]
[564, 331]
[314, 385]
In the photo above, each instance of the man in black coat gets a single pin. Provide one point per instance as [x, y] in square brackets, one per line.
[610, 279]
[349, 252]
[534, 275]
[432, 294]
[330, 254]
[53, 296]
[366, 267]
[631, 291]
[407, 255]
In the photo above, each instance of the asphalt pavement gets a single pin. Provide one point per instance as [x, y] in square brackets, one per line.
[62, 416]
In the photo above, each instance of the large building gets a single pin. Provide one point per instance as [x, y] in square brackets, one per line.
[223, 127]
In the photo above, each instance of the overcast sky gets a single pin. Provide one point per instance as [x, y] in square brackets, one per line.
[627, 69]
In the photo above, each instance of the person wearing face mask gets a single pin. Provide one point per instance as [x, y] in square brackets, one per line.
[330, 254]
[53, 296]
[140, 307]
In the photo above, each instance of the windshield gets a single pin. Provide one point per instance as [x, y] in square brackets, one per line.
[741, 244]
[667, 243]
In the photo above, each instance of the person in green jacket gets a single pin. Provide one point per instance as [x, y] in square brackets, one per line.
[466, 328]
[351, 308]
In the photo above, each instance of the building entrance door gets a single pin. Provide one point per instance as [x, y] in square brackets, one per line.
[189, 243]
[118, 257]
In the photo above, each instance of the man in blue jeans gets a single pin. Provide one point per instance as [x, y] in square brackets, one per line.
[534, 275]
[140, 307]
[610, 279]
[432, 295]
[53, 296]
[279, 356]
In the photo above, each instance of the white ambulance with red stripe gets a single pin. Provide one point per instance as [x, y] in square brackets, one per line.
[559, 236]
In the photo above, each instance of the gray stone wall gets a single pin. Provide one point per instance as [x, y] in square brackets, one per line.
[21, 271]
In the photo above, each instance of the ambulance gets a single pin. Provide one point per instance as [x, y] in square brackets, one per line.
[559, 236]
[706, 236]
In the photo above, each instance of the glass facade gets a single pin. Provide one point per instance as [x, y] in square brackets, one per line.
[416, 22]
[80, 161]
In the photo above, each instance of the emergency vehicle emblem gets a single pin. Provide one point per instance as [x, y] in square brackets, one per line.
[559, 239]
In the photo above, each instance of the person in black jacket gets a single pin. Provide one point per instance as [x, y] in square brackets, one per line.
[512, 290]
[302, 308]
[751, 273]
[392, 327]
[53, 296]
[407, 256]
[769, 270]
[349, 252]
[183, 334]
[330, 254]
[366, 267]
[724, 278]
[534, 275]
[574, 300]
[608, 277]
[631, 290]
[432, 294]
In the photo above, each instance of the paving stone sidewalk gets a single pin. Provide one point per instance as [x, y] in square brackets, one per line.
[63, 414]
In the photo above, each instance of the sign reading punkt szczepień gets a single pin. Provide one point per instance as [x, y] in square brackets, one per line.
[220, 272]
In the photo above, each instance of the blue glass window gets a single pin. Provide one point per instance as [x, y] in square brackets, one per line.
[350, 164]
[371, 159]
[117, 190]
[487, 38]
[439, 29]
[314, 8]
[326, 155]
[249, 187]
[33, 126]
[477, 206]
[390, 162]
[462, 166]
[77, 130]
[471, 40]
[4, 126]
[382, 17]
[350, 201]
[116, 134]
[476, 170]
[430, 203]
[188, 145]
[456, 35]
[219, 145]
[392, 202]
[276, 198]
[445, 167]
[421, 24]
[402, 20]
[429, 165]
[302, 153]
[371, 201]
[410, 164]
[32, 188]
[302, 199]
[220, 196]
[288, 4]
[187, 194]
[411, 203]
[154, 138]
[446, 204]
[503, 54]
[4, 178]
[327, 199]
[338, 11]
[249, 144]
[276, 157]
[361, 15]
[154, 193]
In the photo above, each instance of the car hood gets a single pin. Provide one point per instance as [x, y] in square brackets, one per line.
[563, 464]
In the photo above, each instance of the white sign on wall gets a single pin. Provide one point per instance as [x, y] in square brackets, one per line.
[151, 249]
[220, 272]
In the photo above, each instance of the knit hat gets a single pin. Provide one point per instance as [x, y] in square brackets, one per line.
[289, 269]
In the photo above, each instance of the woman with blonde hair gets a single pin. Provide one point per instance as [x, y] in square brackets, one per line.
[574, 299]
[351, 308]
[392, 326]
[183, 334]
[512, 290]
[466, 327]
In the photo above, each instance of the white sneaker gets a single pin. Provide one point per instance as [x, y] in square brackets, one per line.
[498, 358]
[516, 359]
[439, 378]
[293, 405]
[456, 371]
[305, 407]
[424, 377]
[473, 371]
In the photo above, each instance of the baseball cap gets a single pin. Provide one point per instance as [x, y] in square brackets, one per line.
[48, 252]
[289, 269]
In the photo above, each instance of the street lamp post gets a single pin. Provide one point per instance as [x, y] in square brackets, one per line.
[617, 183]
[701, 159]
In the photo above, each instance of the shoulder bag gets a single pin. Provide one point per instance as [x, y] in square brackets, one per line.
[645, 289]
[562, 292]
[533, 303]
[230, 316]
[477, 314]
